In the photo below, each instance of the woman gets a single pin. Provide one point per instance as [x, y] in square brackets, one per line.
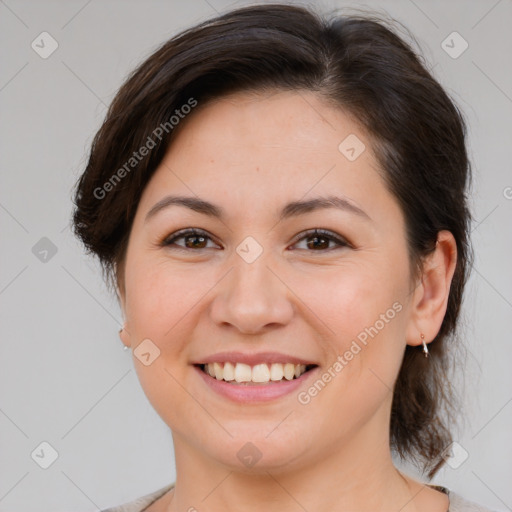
[279, 202]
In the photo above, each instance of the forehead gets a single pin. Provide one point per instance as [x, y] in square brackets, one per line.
[279, 120]
[256, 149]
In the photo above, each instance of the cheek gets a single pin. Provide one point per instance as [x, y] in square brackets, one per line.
[160, 302]
[349, 298]
[158, 295]
[362, 313]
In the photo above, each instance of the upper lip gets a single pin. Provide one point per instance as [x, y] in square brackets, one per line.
[253, 359]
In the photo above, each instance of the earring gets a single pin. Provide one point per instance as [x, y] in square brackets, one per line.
[120, 331]
[425, 349]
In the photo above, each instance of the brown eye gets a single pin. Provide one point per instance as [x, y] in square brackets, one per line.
[194, 239]
[318, 240]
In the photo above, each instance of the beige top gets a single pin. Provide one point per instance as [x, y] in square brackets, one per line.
[457, 502]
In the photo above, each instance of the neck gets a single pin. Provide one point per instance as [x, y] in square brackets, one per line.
[355, 475]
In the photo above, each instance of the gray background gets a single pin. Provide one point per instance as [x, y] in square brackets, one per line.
[64, 376]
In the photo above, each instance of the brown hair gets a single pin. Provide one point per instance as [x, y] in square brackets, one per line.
[354, 62]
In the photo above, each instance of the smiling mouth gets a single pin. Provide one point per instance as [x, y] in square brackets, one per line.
[244, 374]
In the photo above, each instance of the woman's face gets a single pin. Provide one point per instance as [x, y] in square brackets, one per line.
[257, 287]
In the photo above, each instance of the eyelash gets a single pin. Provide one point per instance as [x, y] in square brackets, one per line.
[185, 233]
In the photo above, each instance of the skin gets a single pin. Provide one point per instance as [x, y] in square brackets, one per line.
[251, 154]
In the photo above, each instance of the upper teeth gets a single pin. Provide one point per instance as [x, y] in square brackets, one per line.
[241, 372]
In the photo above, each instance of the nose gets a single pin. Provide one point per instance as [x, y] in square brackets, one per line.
[252, 298]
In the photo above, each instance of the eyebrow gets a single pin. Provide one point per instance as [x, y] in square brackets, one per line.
[290, 210]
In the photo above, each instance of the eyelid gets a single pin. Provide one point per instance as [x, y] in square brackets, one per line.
[340, 240]
[183, 233]
[330, 235]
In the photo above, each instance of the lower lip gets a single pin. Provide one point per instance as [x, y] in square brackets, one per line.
[254, 393]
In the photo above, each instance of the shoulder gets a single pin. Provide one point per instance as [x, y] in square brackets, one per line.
[460, 504]
[141, 503]
[457, 502]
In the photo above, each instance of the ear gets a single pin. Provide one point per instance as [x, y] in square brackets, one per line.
[121, 297]
[430, 298]
[119, 284]
[124, 334]
[121, 300]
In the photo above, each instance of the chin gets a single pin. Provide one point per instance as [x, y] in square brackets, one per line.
[255, 451]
